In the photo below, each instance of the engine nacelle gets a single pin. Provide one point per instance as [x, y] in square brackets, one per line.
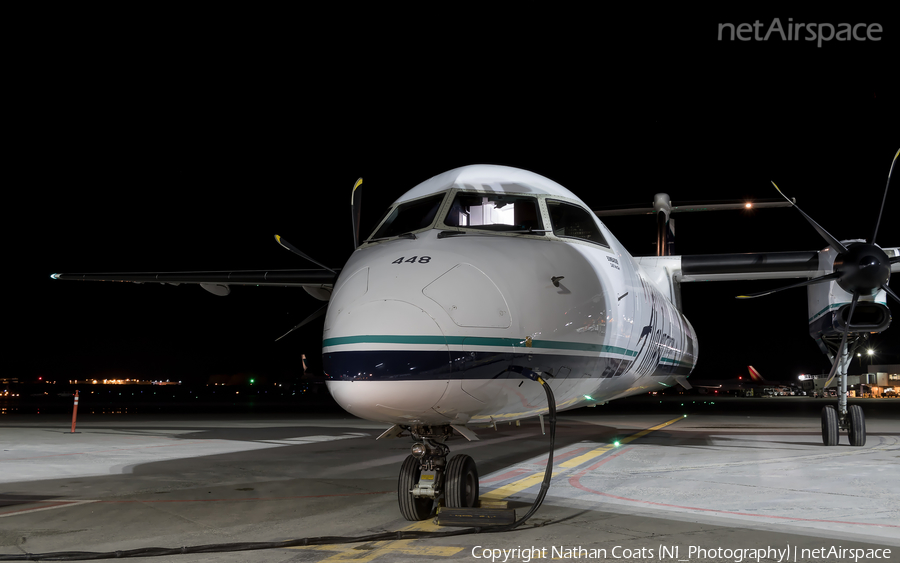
[829, 307]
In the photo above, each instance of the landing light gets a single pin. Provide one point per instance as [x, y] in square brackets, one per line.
[418, 450]
[748, 205]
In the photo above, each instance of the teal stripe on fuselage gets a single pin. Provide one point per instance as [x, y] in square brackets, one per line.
[827, 309]
[476, 341]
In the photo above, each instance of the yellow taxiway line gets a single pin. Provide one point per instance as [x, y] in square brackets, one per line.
[363, 553]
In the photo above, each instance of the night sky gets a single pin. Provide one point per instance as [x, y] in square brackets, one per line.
[188, 146]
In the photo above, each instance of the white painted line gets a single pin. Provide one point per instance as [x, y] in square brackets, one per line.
[315, 439]
[58, 504]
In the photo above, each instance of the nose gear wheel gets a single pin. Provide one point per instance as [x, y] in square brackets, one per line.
[462, 482]
[413, 508]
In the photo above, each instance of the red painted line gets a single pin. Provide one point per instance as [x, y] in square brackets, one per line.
[575, 481]
[601, 462]
[565, 456]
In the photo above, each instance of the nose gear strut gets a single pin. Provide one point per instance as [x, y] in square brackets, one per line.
[427, 478]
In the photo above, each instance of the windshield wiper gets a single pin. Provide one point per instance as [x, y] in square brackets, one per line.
[539, 232]
[404, 235]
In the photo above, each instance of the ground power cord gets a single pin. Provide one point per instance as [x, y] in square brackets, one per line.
[321, 540]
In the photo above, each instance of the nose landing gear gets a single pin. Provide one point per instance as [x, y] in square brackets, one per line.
[426, 478]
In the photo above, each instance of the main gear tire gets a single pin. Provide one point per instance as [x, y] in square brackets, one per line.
[857, 423]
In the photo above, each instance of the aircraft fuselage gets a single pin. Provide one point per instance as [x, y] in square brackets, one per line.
[435, 328]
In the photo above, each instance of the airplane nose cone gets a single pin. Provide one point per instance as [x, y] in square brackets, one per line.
[392, 361]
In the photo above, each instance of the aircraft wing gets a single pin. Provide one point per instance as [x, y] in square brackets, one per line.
[747, 266]
[317, 282]
[764, 265]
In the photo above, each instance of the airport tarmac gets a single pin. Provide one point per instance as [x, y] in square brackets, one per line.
[744, 480]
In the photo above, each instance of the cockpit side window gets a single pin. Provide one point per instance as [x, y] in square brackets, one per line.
[494, 212]
[410, 216]
[574, 222]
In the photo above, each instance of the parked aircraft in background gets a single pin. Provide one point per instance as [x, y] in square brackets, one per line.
[740, 385]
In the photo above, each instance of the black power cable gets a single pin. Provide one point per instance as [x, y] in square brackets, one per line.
[321, 540]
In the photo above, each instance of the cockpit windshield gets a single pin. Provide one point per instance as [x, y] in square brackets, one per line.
[495, 212]
[410, 216]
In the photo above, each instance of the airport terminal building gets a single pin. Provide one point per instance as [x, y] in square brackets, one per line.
[879, 381]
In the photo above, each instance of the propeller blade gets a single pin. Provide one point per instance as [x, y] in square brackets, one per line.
[355, 208]
[820, 279]
[895, 259]
[833, 242]
[312, 317]
[840, 350]
[888, 290]
[296, 251]
[884, 199]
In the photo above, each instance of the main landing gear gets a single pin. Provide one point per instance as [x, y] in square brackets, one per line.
[843, 417]
[426, 477]
[852, 420]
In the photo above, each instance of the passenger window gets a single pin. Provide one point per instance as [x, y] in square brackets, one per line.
[574, 222]
[410, 216]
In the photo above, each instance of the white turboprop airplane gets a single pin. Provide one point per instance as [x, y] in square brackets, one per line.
[484, 278]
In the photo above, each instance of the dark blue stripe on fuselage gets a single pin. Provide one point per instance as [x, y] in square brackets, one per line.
[417, 365]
